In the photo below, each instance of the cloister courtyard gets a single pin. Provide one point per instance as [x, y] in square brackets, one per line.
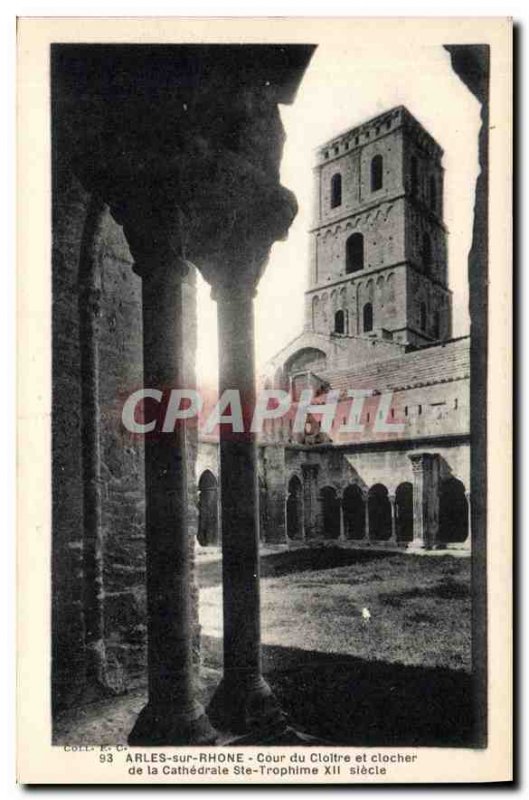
[362, 647]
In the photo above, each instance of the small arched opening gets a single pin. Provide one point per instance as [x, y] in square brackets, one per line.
[330, 513]
[433, 193]
[379, 511]
[354, 513]
[453, 512]
[354, 253]
[339, 322]
[404, 512]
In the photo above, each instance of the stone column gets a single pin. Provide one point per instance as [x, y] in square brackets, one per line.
[366, 507]
[342, 525]
[393, 538]
[172, 715]
[310, 473]
[425, 468]
[243, 701]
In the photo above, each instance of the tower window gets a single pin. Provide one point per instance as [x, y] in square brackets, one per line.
[426, 251]
[354, 253]
[336, 190]
[433, 193]
[367, 320]
[414, 176]
[376, 173]
[422, 317]
[339, 322]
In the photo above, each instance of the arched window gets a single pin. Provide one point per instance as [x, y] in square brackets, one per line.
[414, 173]
[426, 251]
[453, 511]
[354, 253]
[433, 193]
[336, 190]
[376, 173]
[367, 317]
[339, 322]
[422, 317]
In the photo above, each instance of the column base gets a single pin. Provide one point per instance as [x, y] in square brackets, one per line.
[160, 725]
[241, 708]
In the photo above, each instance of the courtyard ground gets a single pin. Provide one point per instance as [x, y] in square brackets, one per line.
[360, 646]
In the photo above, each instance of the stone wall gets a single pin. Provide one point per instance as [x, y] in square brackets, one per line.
[121, 551]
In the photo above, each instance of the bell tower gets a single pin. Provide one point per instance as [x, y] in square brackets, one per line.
[378, 264]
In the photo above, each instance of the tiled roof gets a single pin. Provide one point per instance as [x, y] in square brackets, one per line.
[430, 365]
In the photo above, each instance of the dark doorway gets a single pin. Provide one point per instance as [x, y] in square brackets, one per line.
[379, 509]
[331, 513]
[453, 512]
[404, 512]
[339, 322]
[295, 509]
[354, 513]
[208, 529]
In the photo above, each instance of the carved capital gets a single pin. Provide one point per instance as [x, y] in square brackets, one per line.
[421, 462]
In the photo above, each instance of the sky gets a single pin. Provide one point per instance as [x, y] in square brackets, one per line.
[340, 89]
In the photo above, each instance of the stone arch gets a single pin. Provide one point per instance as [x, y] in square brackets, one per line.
[453, 511]
[208, 532]
[330, 512]
[354, 512]
[404, 512]
[295, 508]
[379, 511]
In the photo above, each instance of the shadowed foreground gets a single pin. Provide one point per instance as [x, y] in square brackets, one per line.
[400, 677]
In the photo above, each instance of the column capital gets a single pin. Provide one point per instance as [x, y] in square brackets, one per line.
[421, 461]
[152, 224]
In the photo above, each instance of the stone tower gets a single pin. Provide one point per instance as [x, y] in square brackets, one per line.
[378, 264]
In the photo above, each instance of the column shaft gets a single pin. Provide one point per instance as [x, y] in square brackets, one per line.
[172, 715]
[393, 519]
[243, 700]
